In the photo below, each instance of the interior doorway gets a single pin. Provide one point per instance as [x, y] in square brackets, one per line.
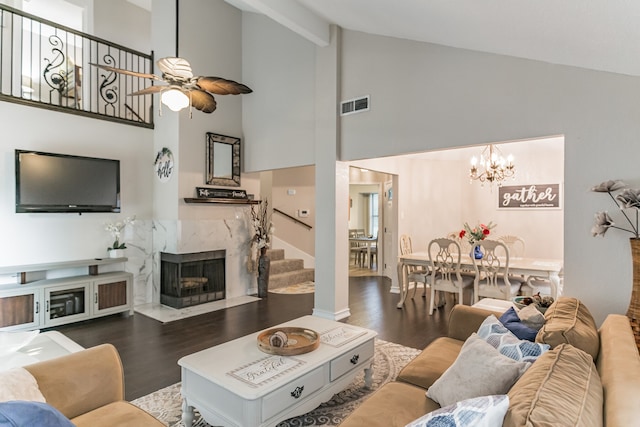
[368, 194]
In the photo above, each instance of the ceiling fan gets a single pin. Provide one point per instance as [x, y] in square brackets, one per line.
[182, 88]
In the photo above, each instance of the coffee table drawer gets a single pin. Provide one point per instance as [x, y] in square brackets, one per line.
[351, 360]
[292, 393]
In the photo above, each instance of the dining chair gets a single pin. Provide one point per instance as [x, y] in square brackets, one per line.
[541, 285]
[415, 274]
[492, 272]
[354, 247]
[444, 258]
[373, 252]
[516, 245]
[532, 284]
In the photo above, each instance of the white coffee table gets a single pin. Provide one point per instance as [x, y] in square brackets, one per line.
[45, 346]
[494, 304]
[236, 384]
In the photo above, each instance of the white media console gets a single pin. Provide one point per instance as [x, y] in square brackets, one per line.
[42, 302]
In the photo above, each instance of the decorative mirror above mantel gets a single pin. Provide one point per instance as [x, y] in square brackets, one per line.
[223, 160]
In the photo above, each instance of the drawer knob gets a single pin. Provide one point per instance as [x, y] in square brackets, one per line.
[297, 392]
[355, 358]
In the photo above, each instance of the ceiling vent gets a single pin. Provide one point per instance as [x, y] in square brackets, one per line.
[357, 105]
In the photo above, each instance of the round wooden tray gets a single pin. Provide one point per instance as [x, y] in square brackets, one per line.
[300, 340]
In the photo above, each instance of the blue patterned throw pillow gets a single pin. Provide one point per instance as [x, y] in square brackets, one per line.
[484, 411]
[496, 334]
[512, 322]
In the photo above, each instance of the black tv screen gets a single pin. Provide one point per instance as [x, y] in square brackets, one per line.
[48, 182]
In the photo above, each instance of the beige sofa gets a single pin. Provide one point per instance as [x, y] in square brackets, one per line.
[88, 388]
[563, 387]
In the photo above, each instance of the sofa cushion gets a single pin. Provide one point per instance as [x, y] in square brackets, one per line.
[569, 321]
[121, 414]
[26, 413]
[561, 389]
[511, 321]
[429, 365]
[619, 368]
[479, 370]
[496, 334]
[484, 411]
[394, 405]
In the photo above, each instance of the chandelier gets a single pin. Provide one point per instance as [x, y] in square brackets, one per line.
[492, 166]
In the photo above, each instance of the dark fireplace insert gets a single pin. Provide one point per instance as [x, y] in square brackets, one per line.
[192, 279]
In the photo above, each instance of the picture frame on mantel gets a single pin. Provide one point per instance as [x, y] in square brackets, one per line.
[223, 160]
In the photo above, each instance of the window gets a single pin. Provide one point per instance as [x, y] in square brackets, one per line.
[372, 220]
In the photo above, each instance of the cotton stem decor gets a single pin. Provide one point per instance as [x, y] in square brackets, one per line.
[627, 199]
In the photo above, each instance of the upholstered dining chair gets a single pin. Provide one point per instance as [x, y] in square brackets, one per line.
[415, 274]
[492, 272]
[444, 258]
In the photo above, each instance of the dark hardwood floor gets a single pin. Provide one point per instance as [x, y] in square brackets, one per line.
[150, 350]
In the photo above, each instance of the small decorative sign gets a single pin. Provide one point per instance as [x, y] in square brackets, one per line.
[220, 193]
[339, 336]
[534, 196]
[264, 370]
[164, 164]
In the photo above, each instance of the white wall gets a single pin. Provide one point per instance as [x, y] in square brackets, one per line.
[460, 97]
[279, 117]
[302, 182]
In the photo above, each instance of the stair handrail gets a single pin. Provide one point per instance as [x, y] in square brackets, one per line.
[304, 224]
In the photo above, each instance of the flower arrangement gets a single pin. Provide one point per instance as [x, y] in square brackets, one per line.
[116, 231]
[262, 229]
[627, 199]
[477, 233]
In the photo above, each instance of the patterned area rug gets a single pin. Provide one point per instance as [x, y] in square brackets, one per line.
[165, 404]
[300, 288]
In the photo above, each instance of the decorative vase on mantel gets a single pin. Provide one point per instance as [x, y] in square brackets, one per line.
[264, 264]
[633, 313]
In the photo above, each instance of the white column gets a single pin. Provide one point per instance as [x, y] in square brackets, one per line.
[332, 190]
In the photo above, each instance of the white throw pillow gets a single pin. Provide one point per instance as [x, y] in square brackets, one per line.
[484, 411]
[531, 317]
[479, 370]
[19, 384]
[501, 338]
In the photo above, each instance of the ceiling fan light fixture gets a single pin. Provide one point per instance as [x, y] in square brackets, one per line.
[175, 99]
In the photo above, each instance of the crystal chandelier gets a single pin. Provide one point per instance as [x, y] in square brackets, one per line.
[492, 167]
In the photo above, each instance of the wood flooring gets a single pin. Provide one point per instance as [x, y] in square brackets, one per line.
[150, 350]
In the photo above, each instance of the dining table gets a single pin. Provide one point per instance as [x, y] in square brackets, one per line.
[526, 266]
[365, 241]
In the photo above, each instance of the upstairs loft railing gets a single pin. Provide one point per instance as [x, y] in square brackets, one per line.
[46, 65]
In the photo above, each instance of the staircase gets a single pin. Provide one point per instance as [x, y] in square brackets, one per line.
[285, 272]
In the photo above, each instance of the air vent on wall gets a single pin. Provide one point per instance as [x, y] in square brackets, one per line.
[357, 105]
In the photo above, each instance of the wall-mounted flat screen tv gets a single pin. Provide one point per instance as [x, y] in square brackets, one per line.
[48, 182]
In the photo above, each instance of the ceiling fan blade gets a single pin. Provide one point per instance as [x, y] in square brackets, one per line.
[202, 101]
[127, 72]
[221, 86]
[178, 67]
[150, 89]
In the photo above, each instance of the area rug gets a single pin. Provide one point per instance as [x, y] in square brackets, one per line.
[299, 288]
[166, 404]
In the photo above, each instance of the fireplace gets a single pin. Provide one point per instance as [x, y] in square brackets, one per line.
[191, 279]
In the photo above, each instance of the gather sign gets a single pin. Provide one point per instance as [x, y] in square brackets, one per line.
[536, 196]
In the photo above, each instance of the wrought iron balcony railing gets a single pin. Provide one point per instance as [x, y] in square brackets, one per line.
[43, 64]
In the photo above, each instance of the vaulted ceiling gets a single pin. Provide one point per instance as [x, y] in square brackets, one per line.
[599, 35]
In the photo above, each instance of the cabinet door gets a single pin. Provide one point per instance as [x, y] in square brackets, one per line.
[66, 303]
[111, 295]
[20, 309]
